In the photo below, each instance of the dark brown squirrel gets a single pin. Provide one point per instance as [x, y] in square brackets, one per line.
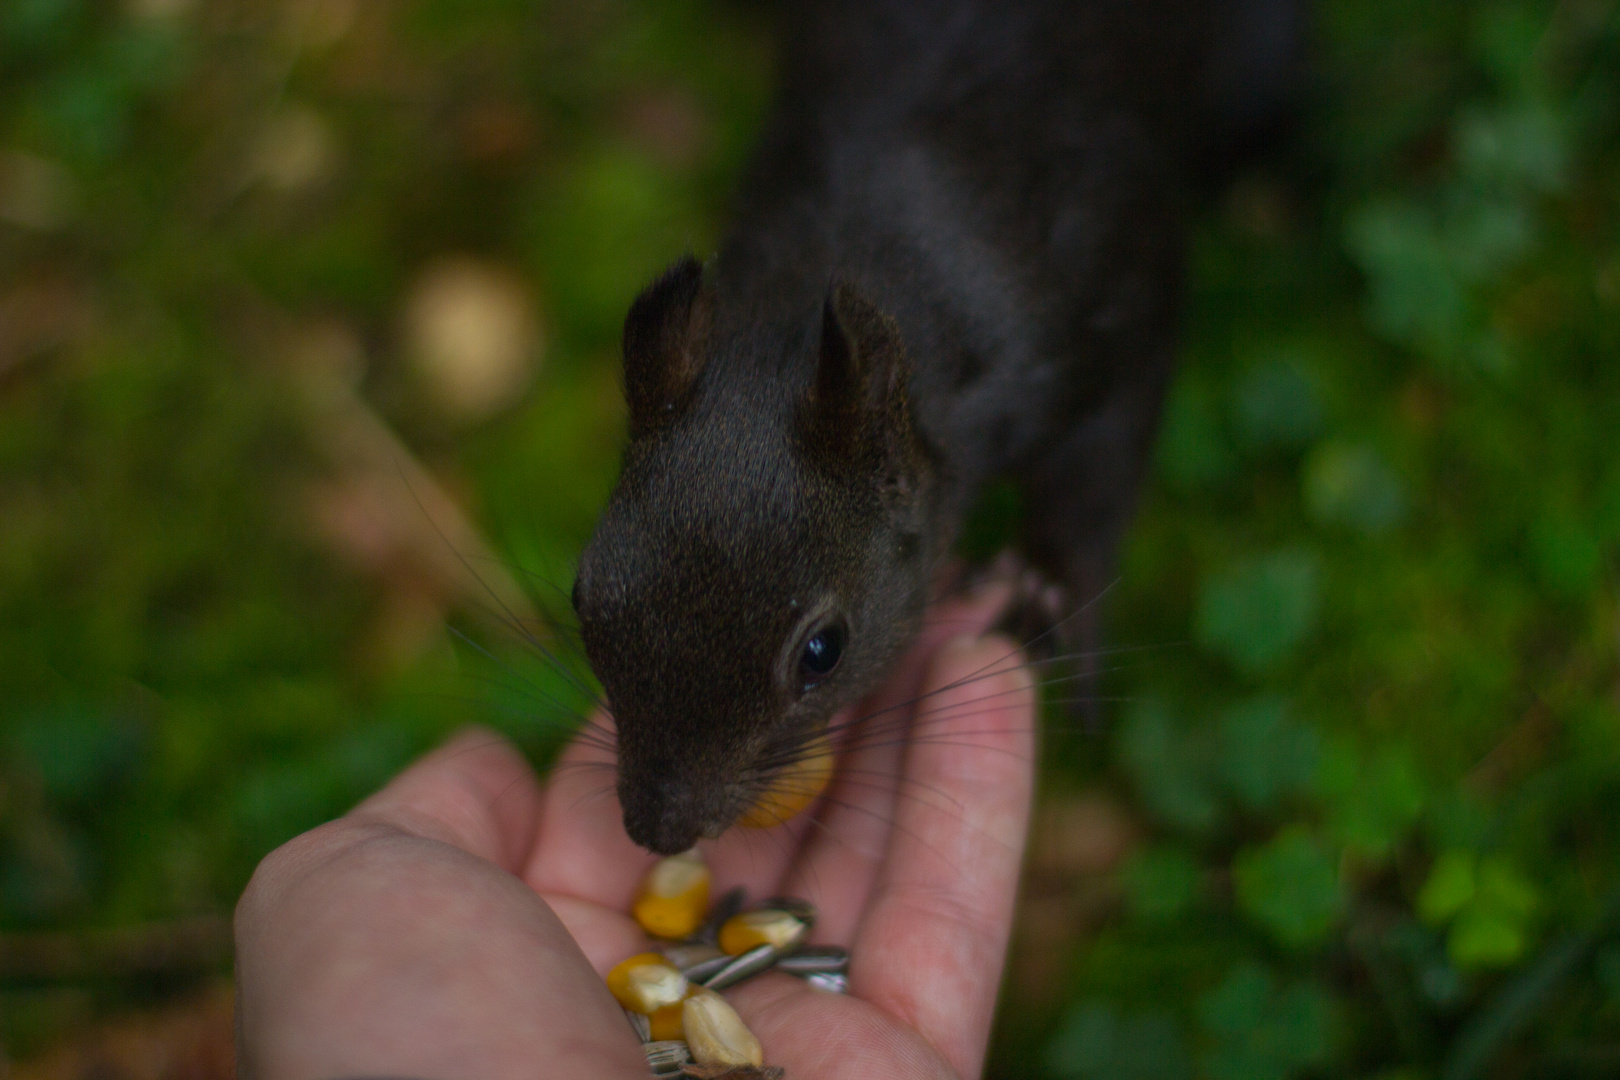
[957, 256]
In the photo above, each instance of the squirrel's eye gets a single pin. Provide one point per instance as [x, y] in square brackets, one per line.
[821, 654]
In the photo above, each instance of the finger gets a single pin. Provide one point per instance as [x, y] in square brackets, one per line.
[811, 1033]
[475, 792]
[840, 860]
[366, 949]
[580, 848]
[931, 947]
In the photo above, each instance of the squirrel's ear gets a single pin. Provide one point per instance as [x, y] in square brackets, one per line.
[859, 405]
[862, 369]
[663, 353]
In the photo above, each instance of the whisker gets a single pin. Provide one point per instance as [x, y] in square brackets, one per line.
[882, 782]
[888, 821]
[572, 726]
[592, 700]
[507, 616]
[589, 796]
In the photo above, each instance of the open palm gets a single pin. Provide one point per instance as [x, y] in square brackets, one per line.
[458, 922]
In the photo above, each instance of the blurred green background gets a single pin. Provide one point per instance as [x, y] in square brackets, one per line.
[308, 322]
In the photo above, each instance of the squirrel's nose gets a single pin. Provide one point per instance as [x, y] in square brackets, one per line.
[661, 816]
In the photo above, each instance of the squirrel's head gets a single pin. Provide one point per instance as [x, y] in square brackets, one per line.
[765, 555]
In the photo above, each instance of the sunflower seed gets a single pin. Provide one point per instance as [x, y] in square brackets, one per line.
[746, 966]
[815, 960]
[834, 982]
[666, 1058]
[706, 968]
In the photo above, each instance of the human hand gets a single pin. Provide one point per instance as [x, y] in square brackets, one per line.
[459, 922]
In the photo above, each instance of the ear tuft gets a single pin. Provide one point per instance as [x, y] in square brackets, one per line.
[663, 346]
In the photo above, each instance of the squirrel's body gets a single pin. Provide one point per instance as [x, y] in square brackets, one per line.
[957, 256]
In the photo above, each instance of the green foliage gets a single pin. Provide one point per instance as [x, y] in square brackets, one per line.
[1379, 782]
[1096, 1043]
[1378, 767]
[1349, 484]
[1487, 903]
[1161, 882]
[1256, 612]
[1371, 803]
[1265, 1031]
[1289, 886]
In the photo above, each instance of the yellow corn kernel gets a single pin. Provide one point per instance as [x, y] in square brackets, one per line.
[794, 788]
[674, 895]
[716, 1034]
[646, 983]
[666, 1022]
[752, 929]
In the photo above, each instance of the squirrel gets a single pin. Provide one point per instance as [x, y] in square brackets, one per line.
[957, 255]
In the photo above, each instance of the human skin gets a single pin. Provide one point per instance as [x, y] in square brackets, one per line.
[458, 923]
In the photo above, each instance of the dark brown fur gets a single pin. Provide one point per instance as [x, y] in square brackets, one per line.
[957, 256]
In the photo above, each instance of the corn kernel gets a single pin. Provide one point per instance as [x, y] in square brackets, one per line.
[794, 788]
[752, 929]
[666, 1022]
[716, 1034]
[646, 983]
[673, 896]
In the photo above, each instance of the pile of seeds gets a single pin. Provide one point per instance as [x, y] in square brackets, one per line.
[672, 997]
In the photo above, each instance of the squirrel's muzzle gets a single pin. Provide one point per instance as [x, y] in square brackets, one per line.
[665, 816]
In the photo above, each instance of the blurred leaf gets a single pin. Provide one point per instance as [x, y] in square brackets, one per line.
[1096, 1043]
[77, 752]
[1264, 755]
[1371, 804]
[1264, 1031]
[1415, 296]
[1277, 404]
[1257, 612]
[147, 56]
[614, 222]
[1523, 145]
[1450, 885]
[1167, 769]
[1160, 882]
[1486, 235]
[1242, 1001]
[1349, 485]
[1483, 937]
[1488, 903]
[1492, 929]
[1424, 955]
[1504, 37]
[1567, 555]
[1194, 450]
[1457, 818]
[1607, 516]
[1289, 886]
[1606, 965]
[29, 28]
[1480, 1043]
[84, 114]
[1503, 887]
